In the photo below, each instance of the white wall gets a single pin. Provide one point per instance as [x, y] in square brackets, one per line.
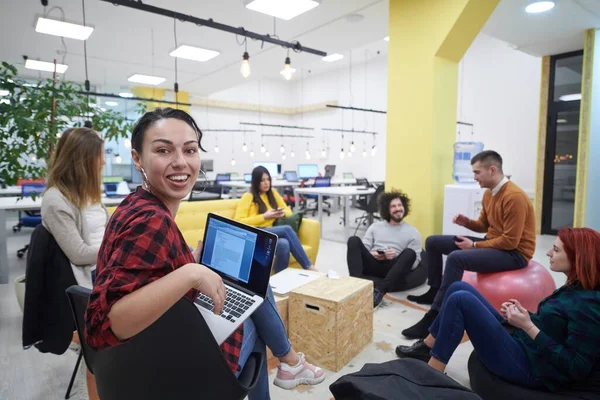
[499, 92]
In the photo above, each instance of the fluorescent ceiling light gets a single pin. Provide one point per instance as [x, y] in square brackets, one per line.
[387, 38]
[111, 103]
[4, 101]
[333, 57]
[283, 9]
[126, 95]
[540, 7]
[193, 53]
[570, 97]
[45, 66]
[561, 121]
[4, 92]
[146, 79]
[63, 29]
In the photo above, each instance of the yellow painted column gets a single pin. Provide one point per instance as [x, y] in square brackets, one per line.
[428, 38]
[150, 93]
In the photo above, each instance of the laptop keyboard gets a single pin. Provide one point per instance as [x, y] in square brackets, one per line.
[236, 303]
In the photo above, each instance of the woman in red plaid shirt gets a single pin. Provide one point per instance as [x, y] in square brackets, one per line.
[144, 265]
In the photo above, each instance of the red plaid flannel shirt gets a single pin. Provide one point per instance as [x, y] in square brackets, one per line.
[141, 244]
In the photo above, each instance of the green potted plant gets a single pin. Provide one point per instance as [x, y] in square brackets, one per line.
[32, 116]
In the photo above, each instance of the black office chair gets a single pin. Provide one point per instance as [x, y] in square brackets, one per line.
[320, 182]
[176, 357]
[78, 299]
[206, 191]
[370, 211]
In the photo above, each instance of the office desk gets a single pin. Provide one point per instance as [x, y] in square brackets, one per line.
[237, 185]
[24, 204]
[10, 191]
[336, 182]
[342, 192]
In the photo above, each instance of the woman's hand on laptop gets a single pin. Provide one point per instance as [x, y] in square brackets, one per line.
[197, 251]
[210, 283]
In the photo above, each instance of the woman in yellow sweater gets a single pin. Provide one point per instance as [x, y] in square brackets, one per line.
[260, 208]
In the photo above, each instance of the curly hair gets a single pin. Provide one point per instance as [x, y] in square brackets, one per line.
[386, 198]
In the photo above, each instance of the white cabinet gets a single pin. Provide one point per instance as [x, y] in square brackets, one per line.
[461, 199]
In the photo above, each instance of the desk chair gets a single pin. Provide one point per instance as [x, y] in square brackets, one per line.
[31, 219]
[370, 210]
[320, 182]
[223, 178]
[78, 299]
[196, 193]
[174, 358]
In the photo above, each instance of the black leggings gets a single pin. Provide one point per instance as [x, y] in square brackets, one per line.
[388, 275]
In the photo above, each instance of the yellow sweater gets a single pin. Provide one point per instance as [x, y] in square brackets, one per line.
[508, 221]
[247, 210]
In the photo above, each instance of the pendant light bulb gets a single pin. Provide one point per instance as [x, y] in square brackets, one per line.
[252, 153]
[283, 157]
[342, 154]
[287, 70]
[262, 148]
[282, 149]
[349, 154]
[323, 153]
[364, 153]
[267, 154]
[307, 155]
[233, 161]
[352, 147]
[244, 148]
[216, 148]
[245, 68]
[373, 150]
[292, 154]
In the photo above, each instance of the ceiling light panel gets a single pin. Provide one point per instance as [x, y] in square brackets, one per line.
[537, 7]
[45, 66]
[194, 53]
[146, 79]
[63, 29]
[333, 57]
[282, 9]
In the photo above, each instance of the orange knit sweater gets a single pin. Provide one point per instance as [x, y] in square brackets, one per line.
[508, 221]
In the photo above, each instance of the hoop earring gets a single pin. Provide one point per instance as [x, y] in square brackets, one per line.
[145, 182]
[205, 183]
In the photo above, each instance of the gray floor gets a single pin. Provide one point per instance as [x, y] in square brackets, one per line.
[31, 375]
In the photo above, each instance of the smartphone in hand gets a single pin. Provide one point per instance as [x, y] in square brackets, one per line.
[380, 251]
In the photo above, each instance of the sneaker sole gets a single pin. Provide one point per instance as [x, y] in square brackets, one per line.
[292, 383]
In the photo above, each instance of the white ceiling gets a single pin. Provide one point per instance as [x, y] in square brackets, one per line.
[127, 41]
[557, 31]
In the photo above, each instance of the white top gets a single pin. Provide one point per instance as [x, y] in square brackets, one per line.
[95, 218]
[499, 186]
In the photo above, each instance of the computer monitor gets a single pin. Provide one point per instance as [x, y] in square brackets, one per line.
[270, 166]
[348, 175]
[247, 178]
[308, 171]
[206, 165]
[330, 171]
[290, 176]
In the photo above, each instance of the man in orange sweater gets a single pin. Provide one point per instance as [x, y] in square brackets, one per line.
[508, 220]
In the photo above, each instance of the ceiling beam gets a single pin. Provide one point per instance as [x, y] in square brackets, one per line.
[209, 23]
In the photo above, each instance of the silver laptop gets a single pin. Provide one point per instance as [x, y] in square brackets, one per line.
[243, 256]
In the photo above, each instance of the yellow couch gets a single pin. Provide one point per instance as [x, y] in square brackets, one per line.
[191, 220]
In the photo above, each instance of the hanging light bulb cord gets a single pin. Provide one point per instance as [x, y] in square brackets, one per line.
[176, 85]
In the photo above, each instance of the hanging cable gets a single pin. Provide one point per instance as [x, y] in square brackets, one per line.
[176, 84]
[87, 81]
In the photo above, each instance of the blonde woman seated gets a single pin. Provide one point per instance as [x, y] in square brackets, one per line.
[71, 208]
[260, 208]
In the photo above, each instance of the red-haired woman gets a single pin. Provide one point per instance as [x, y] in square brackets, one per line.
[551, 349]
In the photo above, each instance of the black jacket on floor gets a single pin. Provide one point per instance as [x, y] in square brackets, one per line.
[47, 320]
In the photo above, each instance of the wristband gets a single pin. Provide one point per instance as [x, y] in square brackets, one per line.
[532, 326]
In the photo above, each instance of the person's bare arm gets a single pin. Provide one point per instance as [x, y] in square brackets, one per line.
[138, 310]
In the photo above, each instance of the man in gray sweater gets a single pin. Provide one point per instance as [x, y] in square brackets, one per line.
[390, 250]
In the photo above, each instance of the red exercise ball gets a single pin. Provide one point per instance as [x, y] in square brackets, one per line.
[529, 285]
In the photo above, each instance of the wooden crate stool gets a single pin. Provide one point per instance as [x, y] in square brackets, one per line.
[282, 307]
[331, 320]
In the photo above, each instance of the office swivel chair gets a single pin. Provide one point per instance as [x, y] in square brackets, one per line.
[371, 209]
[223, 178]
[206, 191]
[31, 219]
[320, 182]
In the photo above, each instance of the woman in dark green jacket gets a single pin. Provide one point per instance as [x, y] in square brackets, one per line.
[555, 348]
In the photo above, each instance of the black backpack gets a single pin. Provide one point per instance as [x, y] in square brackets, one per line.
[403, 379]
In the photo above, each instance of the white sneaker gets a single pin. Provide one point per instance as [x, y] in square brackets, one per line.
[288, 377]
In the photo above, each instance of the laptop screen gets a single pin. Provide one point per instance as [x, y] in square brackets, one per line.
[290, 176]
[239, 252]
[110, 189]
